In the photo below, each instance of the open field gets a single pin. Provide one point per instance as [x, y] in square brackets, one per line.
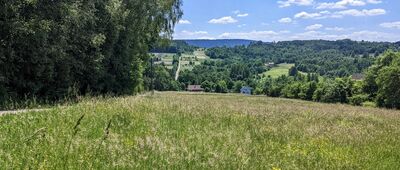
[166, 58]
[279, 70]
[188, 61]
[201, 131]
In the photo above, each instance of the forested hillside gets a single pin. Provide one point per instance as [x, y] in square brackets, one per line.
[321, 71]
[50, 50]
[332, 58]
[176, 46]
[218, 43]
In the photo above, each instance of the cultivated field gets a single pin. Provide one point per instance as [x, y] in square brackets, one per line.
[188, 61]
[201, 131]
[166, 59]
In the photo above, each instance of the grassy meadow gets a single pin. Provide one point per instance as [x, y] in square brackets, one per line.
[279, 70]
[201, 131]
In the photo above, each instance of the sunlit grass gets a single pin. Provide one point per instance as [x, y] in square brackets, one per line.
[197, 131]
[279, 70]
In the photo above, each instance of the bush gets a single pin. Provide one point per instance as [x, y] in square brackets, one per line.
[369, 104]
[358, 100]
[3, 95]
[221, 87]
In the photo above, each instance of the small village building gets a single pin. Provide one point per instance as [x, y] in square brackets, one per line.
[246, 90]
[270, 65]
[195, 88]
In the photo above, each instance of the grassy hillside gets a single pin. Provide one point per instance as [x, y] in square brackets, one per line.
[195, 131]
[279, 70]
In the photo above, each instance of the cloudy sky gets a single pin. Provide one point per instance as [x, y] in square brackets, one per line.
[278, 20]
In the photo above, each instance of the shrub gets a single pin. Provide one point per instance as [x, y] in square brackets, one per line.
[358, 100]
[369, 104]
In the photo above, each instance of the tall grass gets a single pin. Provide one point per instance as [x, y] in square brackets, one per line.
[201, 131]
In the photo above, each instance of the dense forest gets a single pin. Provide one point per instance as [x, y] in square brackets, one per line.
[50, 50]
[176, 46]
[331, 58]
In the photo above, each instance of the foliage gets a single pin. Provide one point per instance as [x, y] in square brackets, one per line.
[229, 70]
[221, 87]
[160, 79]
[293, 71]
[383, 80]
[176, 46]
[98, 47]
[331, 58]
[358, 100]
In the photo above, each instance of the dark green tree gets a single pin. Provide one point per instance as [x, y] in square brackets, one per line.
[382, 80]
[221, 87]
[293, 71]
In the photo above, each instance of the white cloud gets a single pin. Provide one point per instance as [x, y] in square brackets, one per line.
[285, 20]
[374, 1]
[335, 29]
[325, 12]
[340, 4]
[340, 14]
[288, 3]
[254, 35]
[284, 35]
[373, 36]
[223, 20]
[194, 32]
[358, 36]
[243, 15]
[314, 27]
[239, 14]
[206, 38]
[306, 15]
[345, 3]
[391, 25]
[359, 13]
[183, 21]
[242, 25]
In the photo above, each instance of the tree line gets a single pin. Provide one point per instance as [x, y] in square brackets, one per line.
[380, 87]
[54, 49]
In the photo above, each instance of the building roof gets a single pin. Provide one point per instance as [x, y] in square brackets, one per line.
[195, 88]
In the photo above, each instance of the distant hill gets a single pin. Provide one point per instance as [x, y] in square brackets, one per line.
[218, 43]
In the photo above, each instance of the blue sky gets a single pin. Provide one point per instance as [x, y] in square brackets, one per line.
[279, 20]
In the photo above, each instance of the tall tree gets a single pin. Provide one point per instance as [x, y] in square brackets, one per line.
[50, 49]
